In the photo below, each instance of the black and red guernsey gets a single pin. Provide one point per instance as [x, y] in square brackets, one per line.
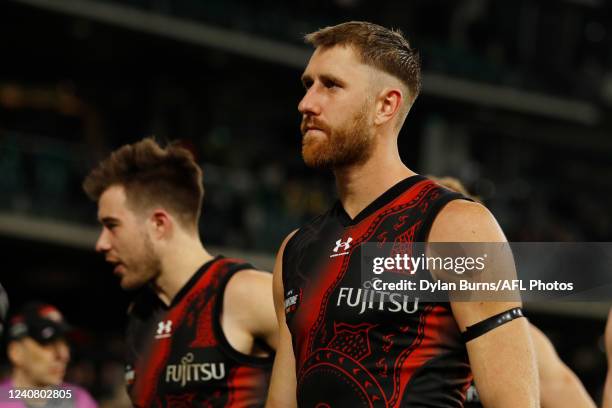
[353, 347]
[178, 356]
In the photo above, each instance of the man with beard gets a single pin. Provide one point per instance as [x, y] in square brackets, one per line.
[342, 343]
[202, 329]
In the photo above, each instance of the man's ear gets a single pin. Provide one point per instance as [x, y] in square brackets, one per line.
[15, 353]
[388, 104]
[161, 223]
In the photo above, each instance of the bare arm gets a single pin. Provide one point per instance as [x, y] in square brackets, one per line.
[607, 398]
[559, 386]
[503, 359]
[248, 311]
[283, 382]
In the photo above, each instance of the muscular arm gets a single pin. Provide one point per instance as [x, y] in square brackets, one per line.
[503, 359]
[559, 386]
[607, 398]
[283, 382]
[248, 311]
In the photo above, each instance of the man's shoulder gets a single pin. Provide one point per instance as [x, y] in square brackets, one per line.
[247, 283]
[465, 221]
[311, 228]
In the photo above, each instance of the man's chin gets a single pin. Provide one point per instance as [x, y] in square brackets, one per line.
[315, 157]
[54, 380]
[127, 284]
[317, 163]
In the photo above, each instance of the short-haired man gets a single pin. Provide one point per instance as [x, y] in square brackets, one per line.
[202, 330]
[39, 353]
[341, 344]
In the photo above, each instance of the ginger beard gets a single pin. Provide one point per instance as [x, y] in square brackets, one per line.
[347, 144]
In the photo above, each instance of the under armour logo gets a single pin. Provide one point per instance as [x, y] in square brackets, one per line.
[164, 329]
[345, 245]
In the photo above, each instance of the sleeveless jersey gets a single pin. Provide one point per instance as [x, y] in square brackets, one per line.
[178, 356]
[358, 347]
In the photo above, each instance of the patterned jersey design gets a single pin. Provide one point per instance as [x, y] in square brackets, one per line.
[359, 347]
[178, 356]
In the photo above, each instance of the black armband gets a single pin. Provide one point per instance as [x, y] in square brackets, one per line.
[480, 328]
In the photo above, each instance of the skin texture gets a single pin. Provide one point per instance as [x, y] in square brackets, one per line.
[150, 247]
[124, 241]
[38, 365]
[339, 87]
[283, 381]
[560, 387]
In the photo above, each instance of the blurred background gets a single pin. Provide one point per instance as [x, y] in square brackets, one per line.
[516, 103]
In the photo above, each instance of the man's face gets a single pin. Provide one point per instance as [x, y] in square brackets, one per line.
[43, 364]
[124, 240]
[337, 109]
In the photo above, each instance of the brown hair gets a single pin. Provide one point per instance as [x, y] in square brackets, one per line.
[152, 175]
[377, 46]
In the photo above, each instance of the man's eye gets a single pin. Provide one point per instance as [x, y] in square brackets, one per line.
[330, 84]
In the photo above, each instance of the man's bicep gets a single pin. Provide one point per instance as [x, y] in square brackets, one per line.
[504, 366]
[283, 382]
[501, 355]
[261, 307]
[277, 281]
[472, 225]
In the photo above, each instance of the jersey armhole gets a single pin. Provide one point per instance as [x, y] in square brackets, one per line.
[218, 329]
[433, 212]
[430, 217]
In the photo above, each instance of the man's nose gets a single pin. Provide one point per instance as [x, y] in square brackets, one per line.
[103, 244]
[310, 104]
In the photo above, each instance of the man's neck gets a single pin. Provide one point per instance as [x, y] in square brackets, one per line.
[359, 185]
[20, 380]
[178, 266]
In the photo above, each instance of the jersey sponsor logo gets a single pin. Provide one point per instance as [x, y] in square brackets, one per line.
[129, 374]
[472, 394]
[292, 299]
[188, 371]
[370, 299]
[345, 245]
[164, 329]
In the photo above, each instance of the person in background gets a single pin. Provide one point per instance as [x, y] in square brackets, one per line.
[202, 329]
[39, 354]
